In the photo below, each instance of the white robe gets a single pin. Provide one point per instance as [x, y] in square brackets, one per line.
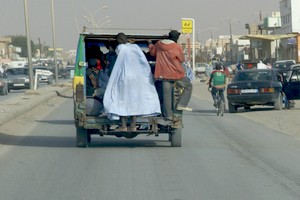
[130, 90]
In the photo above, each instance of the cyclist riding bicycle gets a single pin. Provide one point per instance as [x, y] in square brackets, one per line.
[218, 82]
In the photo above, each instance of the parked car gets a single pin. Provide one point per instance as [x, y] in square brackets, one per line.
[46, 77]
[200, 69]
[283, 65]
[65, 72]
[17, 78]
[255, 87]
[3, 85]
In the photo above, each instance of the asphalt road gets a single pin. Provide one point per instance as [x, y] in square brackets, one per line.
[224, 158]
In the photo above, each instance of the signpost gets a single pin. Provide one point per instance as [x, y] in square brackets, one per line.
[41, 73]
[187, 27]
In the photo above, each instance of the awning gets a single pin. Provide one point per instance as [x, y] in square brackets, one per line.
[268, 37]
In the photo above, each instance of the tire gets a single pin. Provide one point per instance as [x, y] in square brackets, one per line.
[6, 91]
[222, 108]
[3, 91]
[176, 137]
[232, 108]
[218, 107]
[278, 103]
[247, 108]
[81, 137]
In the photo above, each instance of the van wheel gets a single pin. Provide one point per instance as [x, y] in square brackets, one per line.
[81, 137]
[175, 137]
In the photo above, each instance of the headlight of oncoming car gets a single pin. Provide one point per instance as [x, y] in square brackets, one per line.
[26, 80]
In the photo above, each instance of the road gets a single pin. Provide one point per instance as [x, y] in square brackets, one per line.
[14, 93]
[224, 158]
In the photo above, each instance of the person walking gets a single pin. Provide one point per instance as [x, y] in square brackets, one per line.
[168, 69]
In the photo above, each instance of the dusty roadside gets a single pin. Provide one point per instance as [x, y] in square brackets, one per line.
[286, 121]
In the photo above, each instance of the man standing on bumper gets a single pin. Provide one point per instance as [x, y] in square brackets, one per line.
[168, 70]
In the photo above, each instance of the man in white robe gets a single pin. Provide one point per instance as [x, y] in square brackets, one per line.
[130, 90]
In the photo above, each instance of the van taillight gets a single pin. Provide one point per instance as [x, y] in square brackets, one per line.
[79, 93]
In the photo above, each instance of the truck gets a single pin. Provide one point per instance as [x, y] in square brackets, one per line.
[88, 121]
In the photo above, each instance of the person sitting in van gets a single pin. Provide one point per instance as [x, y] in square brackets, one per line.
[92, 77]
[111, 56]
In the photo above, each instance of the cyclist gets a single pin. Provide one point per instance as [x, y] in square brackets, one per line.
[218, 82]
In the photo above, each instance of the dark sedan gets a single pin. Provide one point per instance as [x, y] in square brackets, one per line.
[255, 87]
[17, 78]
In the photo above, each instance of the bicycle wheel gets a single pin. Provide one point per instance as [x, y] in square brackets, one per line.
[222, 108]
[218, 107]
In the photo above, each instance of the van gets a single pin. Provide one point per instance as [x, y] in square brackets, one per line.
[88, 118]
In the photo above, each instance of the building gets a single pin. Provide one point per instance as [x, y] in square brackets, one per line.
[290, 23]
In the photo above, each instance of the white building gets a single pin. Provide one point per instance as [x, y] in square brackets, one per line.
[290, 16]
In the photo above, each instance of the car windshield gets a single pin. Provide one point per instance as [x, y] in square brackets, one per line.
[17, 71]
[246, 75]
[289, 63]
[280, 65]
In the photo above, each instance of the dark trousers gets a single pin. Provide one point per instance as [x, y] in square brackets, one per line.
[214, 92]
[167, 88]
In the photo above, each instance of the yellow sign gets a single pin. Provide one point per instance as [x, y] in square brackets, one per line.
[187, 26]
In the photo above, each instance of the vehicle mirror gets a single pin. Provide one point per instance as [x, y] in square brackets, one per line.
[81, 64]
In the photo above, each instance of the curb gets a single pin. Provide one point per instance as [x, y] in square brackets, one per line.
[16, 106]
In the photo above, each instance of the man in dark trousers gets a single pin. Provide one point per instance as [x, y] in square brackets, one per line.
[168, 70]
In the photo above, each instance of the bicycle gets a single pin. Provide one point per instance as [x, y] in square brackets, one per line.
[220, 103]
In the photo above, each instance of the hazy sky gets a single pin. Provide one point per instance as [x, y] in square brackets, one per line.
[211, 16]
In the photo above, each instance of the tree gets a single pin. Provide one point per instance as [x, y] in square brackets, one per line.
[21, 41]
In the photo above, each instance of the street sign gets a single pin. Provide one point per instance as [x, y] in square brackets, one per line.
[186, 26]
[43, 72]
[292, 41]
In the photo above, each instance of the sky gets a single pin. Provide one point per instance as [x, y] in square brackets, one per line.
[212, 17]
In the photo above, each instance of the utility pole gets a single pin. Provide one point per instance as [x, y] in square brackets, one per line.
[230, 21]
[28, 46]
[40, 48]
[231, 41]
[53, 38]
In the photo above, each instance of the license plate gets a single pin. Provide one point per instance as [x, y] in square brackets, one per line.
[19, 84]
[249, 91]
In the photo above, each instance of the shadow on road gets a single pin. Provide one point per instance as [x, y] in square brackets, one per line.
[60, 122]
[64, 96]
[70, 142]
[37, 141]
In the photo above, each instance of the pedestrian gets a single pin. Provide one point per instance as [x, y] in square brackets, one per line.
[239, 66]
[168, 69]
[130, 91]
